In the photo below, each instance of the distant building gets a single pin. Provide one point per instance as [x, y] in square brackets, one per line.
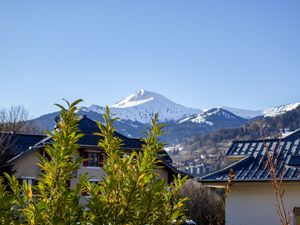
[252, 199]
[197, 170]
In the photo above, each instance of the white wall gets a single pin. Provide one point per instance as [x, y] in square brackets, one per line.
[254, 203]
[26, 165]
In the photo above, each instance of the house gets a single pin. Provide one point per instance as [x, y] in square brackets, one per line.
[27, 146]
[197, 170]
[252, 199]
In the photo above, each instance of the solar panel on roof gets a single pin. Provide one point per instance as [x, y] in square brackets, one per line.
[294, 160]
[245, 148]
[287, 151]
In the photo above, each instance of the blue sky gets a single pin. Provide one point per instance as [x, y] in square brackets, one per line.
[197, 53]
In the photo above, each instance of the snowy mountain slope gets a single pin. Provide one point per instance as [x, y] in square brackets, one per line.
[214, 116]
[138, 98]
[245, 113]
[142, 105]
[136, 111]
[203, 123]
[279, 110]
[270, 112]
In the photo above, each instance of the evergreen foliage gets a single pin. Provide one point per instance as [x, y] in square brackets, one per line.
[130, 193]
[53, 202]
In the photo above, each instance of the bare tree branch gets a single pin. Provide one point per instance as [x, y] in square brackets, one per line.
[12, 120]
[285, 217]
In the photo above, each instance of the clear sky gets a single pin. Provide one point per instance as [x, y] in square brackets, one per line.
[197, 53]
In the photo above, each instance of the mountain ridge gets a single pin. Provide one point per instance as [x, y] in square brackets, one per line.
[142, 105]
[136, 111]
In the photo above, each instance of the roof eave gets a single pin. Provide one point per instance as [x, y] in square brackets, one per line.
[222, 183]
[226, 168]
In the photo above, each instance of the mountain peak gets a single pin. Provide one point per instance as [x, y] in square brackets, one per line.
[214, 116]
[137, 98]
[245, 113]
[141, 91]
[142, 105]
[279, 110]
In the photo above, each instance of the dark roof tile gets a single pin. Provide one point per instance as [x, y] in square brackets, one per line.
[89, 127]
[253, 166]
[19, 143]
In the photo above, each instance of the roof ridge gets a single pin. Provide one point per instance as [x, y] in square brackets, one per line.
[95, 121]
[268, 139]
[27, 134]
[292, 133]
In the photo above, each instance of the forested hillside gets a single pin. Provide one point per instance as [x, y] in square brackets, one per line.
[210, 148]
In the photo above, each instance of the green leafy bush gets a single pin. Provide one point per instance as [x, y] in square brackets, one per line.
[130, 193]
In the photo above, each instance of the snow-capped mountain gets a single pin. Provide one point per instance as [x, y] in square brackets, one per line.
[214, 116]
[136, 110]
[202, 123]
[142, 105]
[245, 113]
[269, 112]
[138, 98]
[279, 110]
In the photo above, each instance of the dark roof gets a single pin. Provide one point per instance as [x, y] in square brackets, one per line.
[19, 143]
[89, 127]
[174, 170]
[252, 165]
[23, 143]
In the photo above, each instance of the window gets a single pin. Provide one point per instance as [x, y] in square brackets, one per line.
[94, 181]
[297, 216]
[32, 181]
[93, 159]
[29, 180]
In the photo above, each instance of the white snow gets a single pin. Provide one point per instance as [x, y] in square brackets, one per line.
[244, 113]
[201, 119]
[138, 98]
[278, 110]
[270, 112]
[198, 118]
[142, 105]
[205, 117]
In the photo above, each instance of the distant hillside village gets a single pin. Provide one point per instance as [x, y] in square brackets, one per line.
[196, 170]
[196, 167]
